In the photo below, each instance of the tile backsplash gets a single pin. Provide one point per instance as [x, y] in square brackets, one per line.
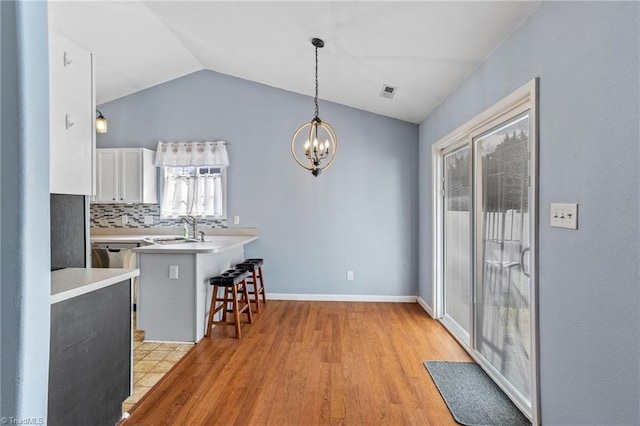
[110, 216]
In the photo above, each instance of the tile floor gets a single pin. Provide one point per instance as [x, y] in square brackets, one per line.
[151, 361]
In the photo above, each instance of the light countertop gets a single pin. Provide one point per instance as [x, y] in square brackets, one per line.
[216, 240]
[135, 234]
[212, 244]
[124, 238]
[72, 282]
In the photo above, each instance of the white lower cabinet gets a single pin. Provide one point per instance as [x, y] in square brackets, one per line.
[126, 175]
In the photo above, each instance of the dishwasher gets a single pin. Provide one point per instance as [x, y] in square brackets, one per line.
[116, 255]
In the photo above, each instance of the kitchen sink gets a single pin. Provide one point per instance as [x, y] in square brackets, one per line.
[172, 240]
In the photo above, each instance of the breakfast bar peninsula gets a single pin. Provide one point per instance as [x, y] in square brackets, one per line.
[173, 288]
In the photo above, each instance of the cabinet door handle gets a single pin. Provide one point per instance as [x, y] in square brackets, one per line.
[67, 59]
[67, 121]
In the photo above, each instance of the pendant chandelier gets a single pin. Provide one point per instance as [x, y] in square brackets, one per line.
[317, 137]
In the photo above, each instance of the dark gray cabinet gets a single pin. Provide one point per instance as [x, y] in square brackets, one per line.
[90, 357]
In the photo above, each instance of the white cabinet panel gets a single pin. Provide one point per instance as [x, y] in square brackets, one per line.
[71, 117]
[131, 175]
[126, 175]
[107, 175]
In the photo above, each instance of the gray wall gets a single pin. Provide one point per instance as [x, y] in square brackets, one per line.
[360, 214]
[24, 200]
[587, 58]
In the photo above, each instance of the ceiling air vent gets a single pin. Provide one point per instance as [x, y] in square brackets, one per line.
[388, 91]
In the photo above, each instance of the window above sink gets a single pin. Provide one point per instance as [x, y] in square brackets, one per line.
[196, 191]
[193, 179]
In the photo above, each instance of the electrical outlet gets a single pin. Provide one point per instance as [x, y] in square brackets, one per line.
[125, 219]
[564, 215]
[236, 220]
[173, 272]
[349, 275]
[148, 220]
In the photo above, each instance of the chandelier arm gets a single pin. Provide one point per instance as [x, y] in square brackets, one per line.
[334, 147]
[293, 153]
[310, 139]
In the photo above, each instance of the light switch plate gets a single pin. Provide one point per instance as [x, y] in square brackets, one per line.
[236, 220]
[148, 220]
[125, 219]
[564, 215]
[173, 272]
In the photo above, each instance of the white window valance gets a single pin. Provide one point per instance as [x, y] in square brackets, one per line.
[189, 154]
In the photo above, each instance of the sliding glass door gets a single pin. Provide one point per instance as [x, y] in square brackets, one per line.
[484, 228]
[502, 309]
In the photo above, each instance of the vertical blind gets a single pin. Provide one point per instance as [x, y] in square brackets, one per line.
[192, 178]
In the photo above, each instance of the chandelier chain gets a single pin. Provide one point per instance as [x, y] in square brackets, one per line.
[316, 97]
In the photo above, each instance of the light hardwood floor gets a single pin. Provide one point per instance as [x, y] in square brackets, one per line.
[310, 363]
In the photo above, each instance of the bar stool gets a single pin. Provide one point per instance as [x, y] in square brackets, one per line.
[234, 281]
[255, 267]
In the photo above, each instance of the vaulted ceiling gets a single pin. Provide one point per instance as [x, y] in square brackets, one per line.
[425, 49]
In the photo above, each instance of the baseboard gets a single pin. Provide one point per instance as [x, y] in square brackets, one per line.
[424, 305]
[341, 297]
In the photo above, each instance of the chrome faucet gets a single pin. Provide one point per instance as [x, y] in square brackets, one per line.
[193, 223]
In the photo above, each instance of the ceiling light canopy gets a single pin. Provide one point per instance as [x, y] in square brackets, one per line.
[316, 139]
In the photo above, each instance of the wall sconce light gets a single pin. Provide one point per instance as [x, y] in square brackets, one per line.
[321, 141]
[101, 123]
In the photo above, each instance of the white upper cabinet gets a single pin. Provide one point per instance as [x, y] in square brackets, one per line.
[131, 170]
[107, 176]
[126, 175]
[71, 117]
